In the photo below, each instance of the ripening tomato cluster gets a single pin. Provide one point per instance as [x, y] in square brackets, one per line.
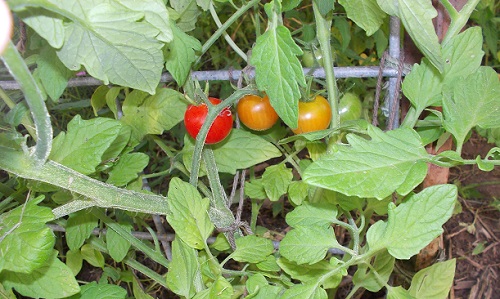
[257, 114]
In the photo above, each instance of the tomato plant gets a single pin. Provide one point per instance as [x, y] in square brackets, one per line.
[256, 112]
[195, 117]
[5, 25]
[314, 115]
[350, 107]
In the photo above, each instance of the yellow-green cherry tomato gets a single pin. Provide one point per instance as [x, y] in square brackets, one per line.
[350, 107]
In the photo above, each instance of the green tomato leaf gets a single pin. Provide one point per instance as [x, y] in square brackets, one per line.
[74, 261]
[307, 245]
[391, 161]
[94, 290]
[188, 13]
[297, 192]
[127, 168]
[79, 227]
[188, 213]
[251, 149]
[117, 245]
[423, 86]
[181, 53]
[97, 35]
[305, 291]
[463, 55]
[255, 282]
[434, 282]
[83, 145]
[25, 241]
[307, 273]
[474, 101]
[255, 189]
[52, 280]
[184, 276]
[269, 264]
[92, 256]
[398, 293]
[365, 13]
[312, 214]
[365, 276]
[278, 72]
[252, 249]
[267, 292]
[416, 16]
[220, 289]
[276, 179]
[52, 73]
[153, 114]
[415, 222]
[119, 146]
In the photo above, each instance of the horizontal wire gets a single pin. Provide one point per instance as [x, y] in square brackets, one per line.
[225, 75]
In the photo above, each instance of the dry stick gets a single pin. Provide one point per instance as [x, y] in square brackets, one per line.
[376, 103]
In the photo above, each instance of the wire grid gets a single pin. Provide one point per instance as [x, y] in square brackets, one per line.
[340, 72]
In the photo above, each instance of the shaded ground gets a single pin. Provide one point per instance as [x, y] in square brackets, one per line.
[473, 236]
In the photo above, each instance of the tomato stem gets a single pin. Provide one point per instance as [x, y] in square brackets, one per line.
[323, 26]
[213, 111]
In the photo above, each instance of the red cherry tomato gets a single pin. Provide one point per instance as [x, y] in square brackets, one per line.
[314, 115]
[195, 117]
[256, 113]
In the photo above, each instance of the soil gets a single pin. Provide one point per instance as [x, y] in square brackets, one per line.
[476, 227]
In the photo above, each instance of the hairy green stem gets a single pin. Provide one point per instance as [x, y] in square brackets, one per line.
[219, 212]
[98, 193]
[323, 27]
[34, 98]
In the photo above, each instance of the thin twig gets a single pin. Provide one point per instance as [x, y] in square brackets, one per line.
[376, 103]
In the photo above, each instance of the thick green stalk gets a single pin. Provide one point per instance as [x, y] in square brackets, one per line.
[99, 194]
[18, 69]
[323, 27]
[219, 212]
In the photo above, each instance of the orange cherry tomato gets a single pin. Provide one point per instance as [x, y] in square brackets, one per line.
[314, 115]
[256, 112]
